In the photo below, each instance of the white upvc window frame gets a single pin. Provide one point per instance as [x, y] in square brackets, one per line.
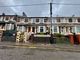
[23, 20]
[9, 26]
[44, 20]
[41, 20]
[66, 20]
[63, 20]
[21, 28]
[1, 18]
[12, 19]
[54, 20]
[77, 20]
[33, 20]
[53, 27]
[36, 21]
[58, 18]
[69, 21]
[44, 29]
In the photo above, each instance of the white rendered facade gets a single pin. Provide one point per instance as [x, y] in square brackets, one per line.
[63, 25]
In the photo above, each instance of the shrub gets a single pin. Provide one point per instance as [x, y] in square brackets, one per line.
[41, 33]
[58, 35]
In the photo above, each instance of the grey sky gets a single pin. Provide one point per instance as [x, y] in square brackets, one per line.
[40, 10]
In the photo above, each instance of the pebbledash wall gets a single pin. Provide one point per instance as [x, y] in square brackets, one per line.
[63, 25]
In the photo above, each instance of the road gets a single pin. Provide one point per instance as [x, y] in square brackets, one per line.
[36, 54]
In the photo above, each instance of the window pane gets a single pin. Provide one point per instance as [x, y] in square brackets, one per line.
[78, 29]
[18, 19]
[26, 20]
[78, 19]
[58, 19]
[37, 20]
[70, 20]
[7, 18]
[55, 28]
[41, 29]
[9, 26]
[45, 20]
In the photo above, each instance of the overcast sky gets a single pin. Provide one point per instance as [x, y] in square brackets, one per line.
[40, 10]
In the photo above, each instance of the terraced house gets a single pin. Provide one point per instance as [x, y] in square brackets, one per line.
[63, 25]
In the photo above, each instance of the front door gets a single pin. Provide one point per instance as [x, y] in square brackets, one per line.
[33, 29]
[29, 29]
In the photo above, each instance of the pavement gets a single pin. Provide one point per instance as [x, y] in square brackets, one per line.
[11, 53]
[29, 51]
[55, 47]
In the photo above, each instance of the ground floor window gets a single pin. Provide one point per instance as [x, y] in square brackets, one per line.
[55, 28]
[73, 29]
[78, 29]
[21, 28]
[41, 29]
[9, 26]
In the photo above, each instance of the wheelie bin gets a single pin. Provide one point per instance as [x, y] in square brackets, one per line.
[71, 38]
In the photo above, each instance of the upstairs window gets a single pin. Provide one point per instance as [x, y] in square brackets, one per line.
[58, 19]
[11, 18]
[29, 20]
[34, 20]
[45, 19]
[37, 20]
[78, 19]
[70, 19]
[14, 18]
[18, 19]
[23, 20]
[62, 20]
[7, 18]
[26, 20]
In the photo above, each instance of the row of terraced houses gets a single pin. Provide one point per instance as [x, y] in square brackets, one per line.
[63, 25]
